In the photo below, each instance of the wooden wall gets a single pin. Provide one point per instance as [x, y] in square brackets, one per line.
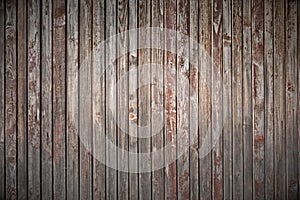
[251, 94]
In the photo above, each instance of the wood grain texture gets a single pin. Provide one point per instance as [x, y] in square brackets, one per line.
[85, 103]
[60, 94]
[279, 99]
[157, 99]
[247, 102]
[258, 101]
[194, 100]
[291, 99]
[183, 103]
[22, 100]
[11, 99]
[59, 99]
[34, 99]
[132, 101]
[98, 96]
[269, 98]
[205, 97]
[2, 100]
[46, 78]
[170, 101]
[228, 97]
[72, 92]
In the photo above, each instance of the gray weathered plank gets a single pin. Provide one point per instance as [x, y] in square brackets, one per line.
[85, 96]
[122, 94]
[291, 99]
[98, 99]
[2, 101]
[205, 98]
[59, 99]
[144, 112]
[34, 99]
[228, 98]
[194, 100]
[132, 101]
[46, 108]
[247, 102]
[72, 126]
[258, 101]
[269, 98]
[22, 100]
[279, 100]
[170, 101]
[11, 99]
[237, 101]
[111, 104]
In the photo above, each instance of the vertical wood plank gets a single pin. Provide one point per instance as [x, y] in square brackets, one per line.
[247, 103]
[205, 38]
[11, 99]
[72, 59]
[258, 101]
[22, 100]
[59, 106]
[182, 94]
[228, 98]
[132, 101]
[122, 94]
[170, 101]
[98, 99]
[144, 112]
[2, 102]
[237, 104]
[291, 99]
[34, 100]
[85, 103]
[298, 108]
[269, 98]
[279, 99]
[194, 99]
[111, 27]
[46, 129]
[157, 99]
[217, 68]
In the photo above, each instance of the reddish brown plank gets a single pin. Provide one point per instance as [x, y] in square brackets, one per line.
[182, 94]
[258, 101]
[72, 125]
[22, 100]
[170, 101]
[291, 99]
[269, 98]
[11, 99]
[98, 99]
[228, 98]
[205, 98]
[34, 99]
[247, 102]
[157, 100]
[217, 71]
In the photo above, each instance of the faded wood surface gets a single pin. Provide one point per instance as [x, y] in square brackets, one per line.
[60, 94]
